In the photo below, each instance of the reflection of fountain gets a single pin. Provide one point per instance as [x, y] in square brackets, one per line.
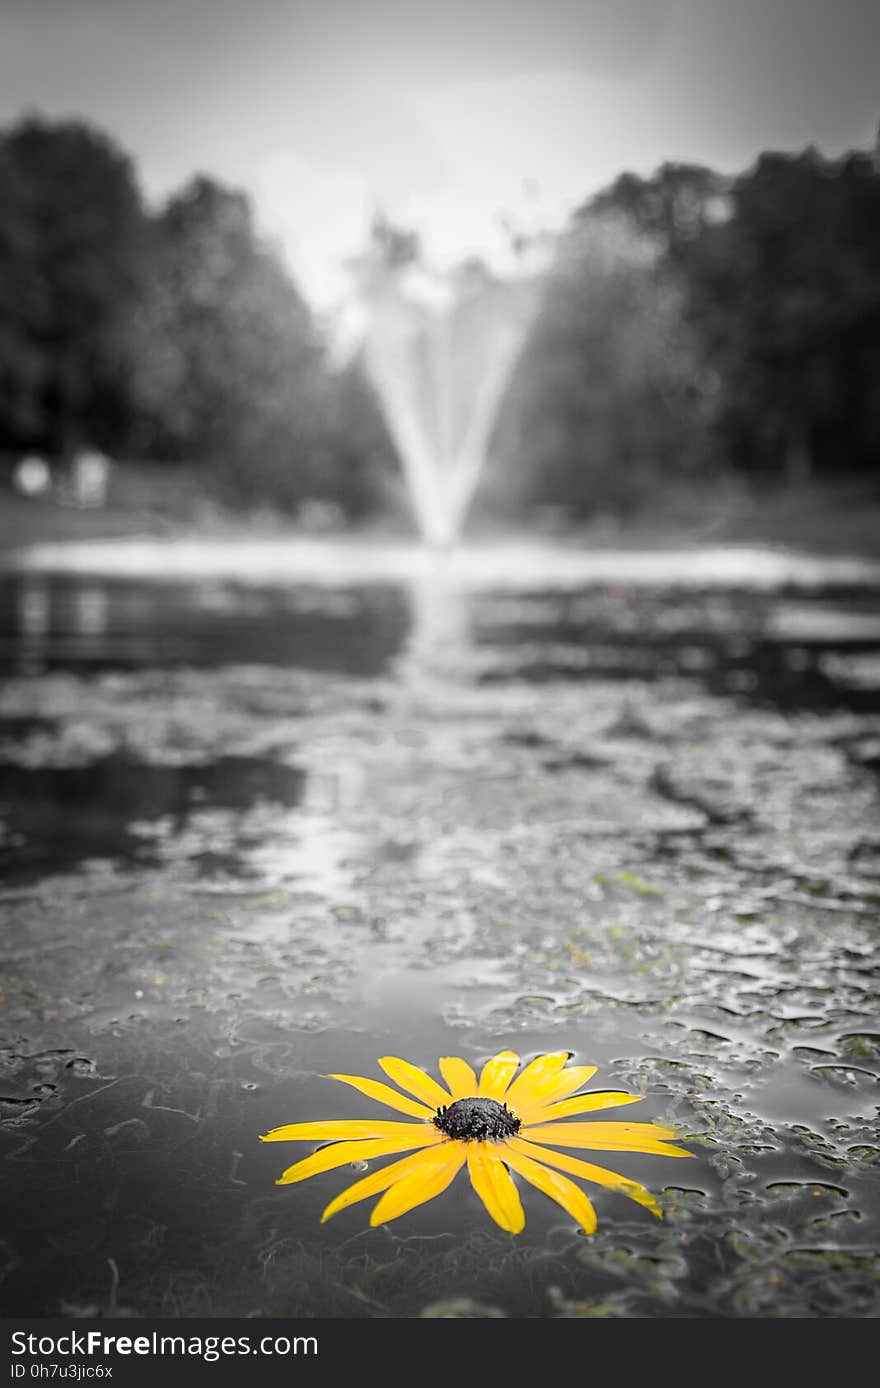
[440, 354]
[439, 641]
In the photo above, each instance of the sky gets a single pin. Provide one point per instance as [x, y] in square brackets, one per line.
[457, 118]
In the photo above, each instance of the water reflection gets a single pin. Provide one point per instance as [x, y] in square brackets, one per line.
[761, 1237]
[64, 622]
[816, 649]
[90, 614]
[736, 643]
[122, 808]
[32, 608]
[255, 833]
[440, 633]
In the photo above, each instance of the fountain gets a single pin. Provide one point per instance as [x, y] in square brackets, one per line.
[439, 351]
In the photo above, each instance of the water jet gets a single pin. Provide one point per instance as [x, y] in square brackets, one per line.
[439, 350]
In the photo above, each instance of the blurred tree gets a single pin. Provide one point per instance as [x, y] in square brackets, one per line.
[779, 270]
[609, 398]
[71, 263]
[24, 315]
[686, 316]
[233, 372]
[787, 295]
[391, 246]
[673, 207]
[229, 362]
[361, 470]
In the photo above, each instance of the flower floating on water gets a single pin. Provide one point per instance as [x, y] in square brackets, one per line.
[496, 1124]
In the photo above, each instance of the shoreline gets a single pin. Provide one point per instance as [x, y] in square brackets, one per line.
[833, 521]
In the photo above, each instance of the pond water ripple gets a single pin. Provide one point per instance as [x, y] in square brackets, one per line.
[257, 833]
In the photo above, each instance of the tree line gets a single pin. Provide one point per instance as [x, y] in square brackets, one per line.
[689, 323]
[175, 336]
[694, 324]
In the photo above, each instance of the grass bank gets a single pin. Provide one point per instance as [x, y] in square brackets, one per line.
[840, 518]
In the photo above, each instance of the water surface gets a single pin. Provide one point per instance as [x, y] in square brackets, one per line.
[258, 831]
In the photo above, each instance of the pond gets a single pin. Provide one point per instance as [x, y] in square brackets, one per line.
[269, 815]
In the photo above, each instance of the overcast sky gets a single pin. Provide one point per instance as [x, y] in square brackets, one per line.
[443, 112]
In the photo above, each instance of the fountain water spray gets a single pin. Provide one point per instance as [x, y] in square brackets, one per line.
[439, 351]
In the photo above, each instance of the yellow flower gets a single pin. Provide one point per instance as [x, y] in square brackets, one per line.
[496, 1124]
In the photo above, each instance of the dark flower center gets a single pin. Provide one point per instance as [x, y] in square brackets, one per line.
[476, 1120]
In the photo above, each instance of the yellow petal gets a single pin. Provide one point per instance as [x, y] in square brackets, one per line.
[492, 1182]
[528, 1084]
[497, 1074]
[380, 1180]
[547, 1112]
[588, 1172]
[558, 1187]
[384, 1094]
[610, 1137]
[554, 1088]
[459, 1076]
[420, 1185]
[341, 1130]
[341, 1153]
[410, 1077]
[547, 1078]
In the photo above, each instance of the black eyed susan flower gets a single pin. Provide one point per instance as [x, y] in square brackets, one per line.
[497, 1124]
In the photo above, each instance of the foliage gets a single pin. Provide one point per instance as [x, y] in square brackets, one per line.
[177, 336]
[230, 365]
[71, 259]
[690, 323]
[609, 397]
[780, 273]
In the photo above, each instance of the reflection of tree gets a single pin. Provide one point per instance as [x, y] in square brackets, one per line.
[73, 614]
[34, 617]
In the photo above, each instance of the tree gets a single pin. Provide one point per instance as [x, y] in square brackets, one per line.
[608, 400]
[779, 273]
[233, 372]
[230, 361]
[24, 317]
[673, 207]
[787, 293]
[71, 264]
